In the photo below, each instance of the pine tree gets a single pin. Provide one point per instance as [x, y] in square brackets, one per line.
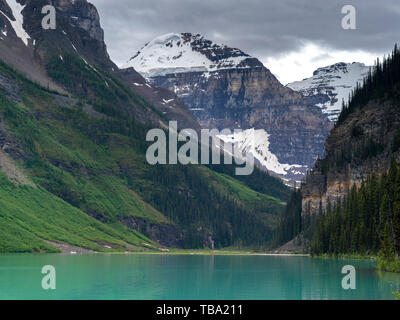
[384, 212]
[396, 215]
[387, 248]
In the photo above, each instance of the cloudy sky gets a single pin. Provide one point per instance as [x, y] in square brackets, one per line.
[291, 37]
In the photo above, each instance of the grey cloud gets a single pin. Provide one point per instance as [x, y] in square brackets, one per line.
[321, 57]
[262, 28]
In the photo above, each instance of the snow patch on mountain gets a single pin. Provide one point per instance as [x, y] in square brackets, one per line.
[255, 142]
[184, 52]
[18, 23]
[330, 85]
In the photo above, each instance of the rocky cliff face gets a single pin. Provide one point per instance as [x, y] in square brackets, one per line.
[77, 30]
[363, 144]
[26, 46]
[330, 85]
[226, 88]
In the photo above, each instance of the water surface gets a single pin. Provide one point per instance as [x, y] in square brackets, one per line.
[102, 276]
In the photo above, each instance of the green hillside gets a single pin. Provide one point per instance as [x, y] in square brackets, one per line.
[29, 216]
[86, 155]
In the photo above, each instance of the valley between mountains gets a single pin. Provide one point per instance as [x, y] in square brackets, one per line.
[73, 125]
[73, 151]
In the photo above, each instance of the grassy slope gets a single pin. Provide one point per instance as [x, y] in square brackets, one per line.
[30, 215]
[59, 157]
[87, 170]
[97, 171]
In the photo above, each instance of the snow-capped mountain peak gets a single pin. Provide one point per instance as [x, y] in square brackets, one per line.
[226, 88]
[330, 85]
[185, 52]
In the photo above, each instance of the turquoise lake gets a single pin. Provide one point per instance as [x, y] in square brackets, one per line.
[160, 277]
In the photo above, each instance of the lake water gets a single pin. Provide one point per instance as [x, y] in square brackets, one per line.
[102, 276]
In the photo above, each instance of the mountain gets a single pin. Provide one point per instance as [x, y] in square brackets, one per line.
[362, 142]
[29, 48]
[180, 53]
[350, 203]
[73, 169]
[330, 86]
[227, 88]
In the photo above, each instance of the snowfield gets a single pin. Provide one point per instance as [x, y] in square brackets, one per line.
[18, 23]
[331, 85]
[255, 142]
[170, 53]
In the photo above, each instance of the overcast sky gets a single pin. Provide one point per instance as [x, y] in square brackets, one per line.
[291, 37]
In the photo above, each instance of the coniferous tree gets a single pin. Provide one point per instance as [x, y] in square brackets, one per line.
[396, 215]
[387, 248]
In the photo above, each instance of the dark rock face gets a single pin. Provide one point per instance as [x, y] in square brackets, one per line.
[166, 101]
[349, 159]
[8, 144]
[212, 51]
[245, 96]
[20, 55]
[164, 234]
[78, 31]
[10, 89]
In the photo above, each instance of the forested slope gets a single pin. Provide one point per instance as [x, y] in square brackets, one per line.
[349, 203]
[88, 149]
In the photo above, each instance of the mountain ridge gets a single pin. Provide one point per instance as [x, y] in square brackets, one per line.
[330, 86]
[78, 32]
[77, 130]
[349, 203]
[240, 94]
[185, 52]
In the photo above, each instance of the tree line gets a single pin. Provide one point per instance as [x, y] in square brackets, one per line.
[365, 222]
[380, 82]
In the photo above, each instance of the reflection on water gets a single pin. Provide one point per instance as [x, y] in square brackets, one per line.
[101, 276]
